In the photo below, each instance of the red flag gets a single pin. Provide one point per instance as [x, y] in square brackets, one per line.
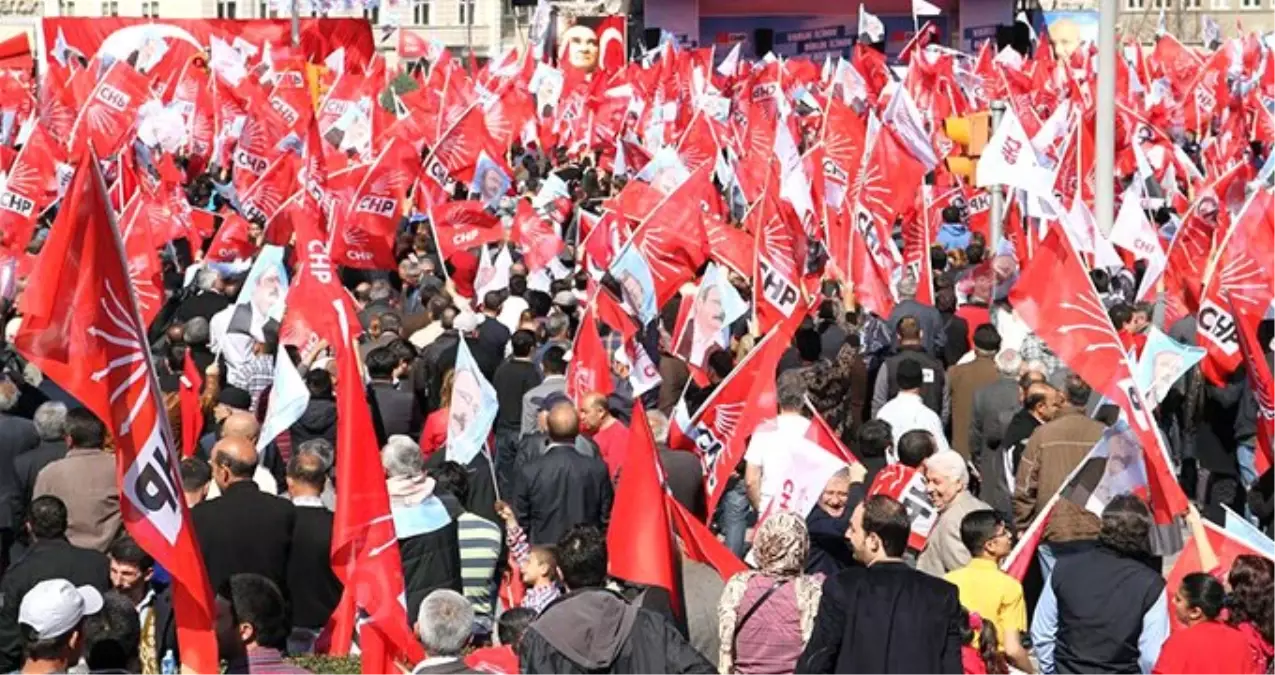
[411, 45]
[780, 258]
[871, 283]
[263, 199]
[672, 242]
[1056, 299]
[365, 554]
[106, 120]
[1019, 560]
[31, 187]
[144, 269]
[823, 436]
[589, 369]
[742, 401]
[1259, 378]
[1226, 546]
[231, 242]
[82, 328]
[189, 389]
[459, 226]
[699, 543]
[729, 245]
[639, 540]
[536, 236]
[368, 231]
[907, 486]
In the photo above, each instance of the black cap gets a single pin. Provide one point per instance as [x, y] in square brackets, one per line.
[235, 398]
[548, 401]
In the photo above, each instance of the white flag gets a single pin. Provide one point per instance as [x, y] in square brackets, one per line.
[870, 25]
[923, 8]
[1210, 32]
[288, 400]
[471, 410]
[1134, 233]
[730, 65]
[1009, 159]
[336, 61]
[902, 115]
[492, 275]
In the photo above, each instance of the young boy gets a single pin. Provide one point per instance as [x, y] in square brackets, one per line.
[986, 590]
[539, 564]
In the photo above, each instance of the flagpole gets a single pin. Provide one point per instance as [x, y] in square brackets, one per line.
[1105, 154]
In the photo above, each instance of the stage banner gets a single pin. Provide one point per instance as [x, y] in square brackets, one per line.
[84, 37]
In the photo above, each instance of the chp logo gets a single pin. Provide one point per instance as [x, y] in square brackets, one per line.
[12, 201]
[113, 97]
[287, 112]
[250, 162]
[382, 207]
[1218, 326]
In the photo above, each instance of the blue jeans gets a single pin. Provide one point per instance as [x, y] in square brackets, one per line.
[1246, 454]
[732, 517]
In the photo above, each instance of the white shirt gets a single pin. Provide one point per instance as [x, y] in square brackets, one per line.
[906, 412]
[771, 450]
[511, 312]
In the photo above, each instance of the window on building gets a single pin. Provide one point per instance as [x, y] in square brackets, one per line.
[465, 11]
[1251, 4]
[66, 8]
[420, 12]
[265, 12]
[1163, 4]
[110, 8]
[1191, 4]
[150, 9]
[1221, 4]
[372, 14]
[225, 9]
[1135, 4]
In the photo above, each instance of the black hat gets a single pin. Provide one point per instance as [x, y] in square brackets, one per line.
[235, 398]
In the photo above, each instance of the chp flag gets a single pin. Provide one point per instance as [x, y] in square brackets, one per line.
[82, 328]
[906, 485]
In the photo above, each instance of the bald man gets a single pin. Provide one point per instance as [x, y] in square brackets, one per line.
[561, 487]
[609, 433]
[245, 529]
[242, 425]
[1040, 405]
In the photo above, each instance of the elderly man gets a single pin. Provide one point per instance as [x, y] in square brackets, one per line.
[445, 621]
[994, 404]
[242, 424]
[926, 316]
[50, 425]
[608, 432]
[428, 536]
[946, 480]
[308, 566]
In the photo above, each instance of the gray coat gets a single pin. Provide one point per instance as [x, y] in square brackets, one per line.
[530, 400]
[932, 335]
[994, 405]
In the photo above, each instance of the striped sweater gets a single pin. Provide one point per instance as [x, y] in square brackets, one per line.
[480, 546]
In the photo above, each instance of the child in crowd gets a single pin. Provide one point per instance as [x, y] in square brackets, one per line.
[539, 564]
[980, 651]
[986, 590]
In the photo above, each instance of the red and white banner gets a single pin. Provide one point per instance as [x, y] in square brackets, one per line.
[907, 486]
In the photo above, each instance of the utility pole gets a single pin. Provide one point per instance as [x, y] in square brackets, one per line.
[469, 33]
[296, 23]
[1105, 154]
[998, 192]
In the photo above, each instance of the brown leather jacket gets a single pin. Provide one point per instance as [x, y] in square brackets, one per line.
[1053, 451]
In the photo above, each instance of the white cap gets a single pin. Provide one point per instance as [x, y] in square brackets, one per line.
[466, 322]
[55, 607]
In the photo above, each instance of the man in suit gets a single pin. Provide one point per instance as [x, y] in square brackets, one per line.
[85, 482]
[946, 481]
[308, 566]
[396, 409]
[243, 530]
[884, 617]
[50, 425]
[554, 366]
[17, 437]
[562, 488]
[967, 378]
[50, 556]
[994, 405]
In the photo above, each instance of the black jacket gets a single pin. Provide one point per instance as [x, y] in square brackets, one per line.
[624, 638]
[684, 475]
[429, 545]
[482, 486]
[245, 530]
[203, 303]
[492, 338]
[530, 447]
[887, 618]
[318, 420]
[52, 559]
[316, 588]
[994, 488]
[396, 410]
[17, 436]
[829, 549]
[559, 489]
[25, 469]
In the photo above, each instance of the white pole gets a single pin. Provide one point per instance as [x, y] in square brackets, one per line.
[1105, 154]
[997, 191]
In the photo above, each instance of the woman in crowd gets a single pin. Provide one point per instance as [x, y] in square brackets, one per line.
[1207, 644]
[1251, 605]
[766, 615]
[434, 435]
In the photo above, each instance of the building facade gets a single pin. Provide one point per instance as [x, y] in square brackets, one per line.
[1183, 18]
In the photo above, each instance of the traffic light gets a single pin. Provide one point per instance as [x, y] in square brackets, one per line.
[970, 132]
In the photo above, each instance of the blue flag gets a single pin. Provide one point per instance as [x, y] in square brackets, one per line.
[1164, 361]
[472, 408]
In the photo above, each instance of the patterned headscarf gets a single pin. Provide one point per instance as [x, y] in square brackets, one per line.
[781, 544]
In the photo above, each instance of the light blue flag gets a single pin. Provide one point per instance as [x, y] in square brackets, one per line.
[1164, 361]
[288, 400]
[1241, 529]
[472, 409]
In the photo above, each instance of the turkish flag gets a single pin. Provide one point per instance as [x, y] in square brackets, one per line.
[82, 328]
